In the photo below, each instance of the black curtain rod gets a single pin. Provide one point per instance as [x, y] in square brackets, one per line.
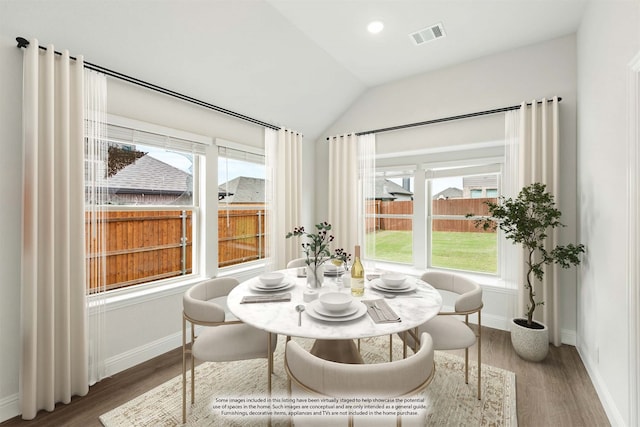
[22, 42]
[446, 119]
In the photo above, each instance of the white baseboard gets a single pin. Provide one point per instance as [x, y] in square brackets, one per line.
[141, 354]
[9, 407]
[610, 408]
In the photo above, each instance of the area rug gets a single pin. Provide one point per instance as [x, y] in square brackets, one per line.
[448, 401]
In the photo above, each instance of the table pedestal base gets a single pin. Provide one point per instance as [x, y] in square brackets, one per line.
[341, 351]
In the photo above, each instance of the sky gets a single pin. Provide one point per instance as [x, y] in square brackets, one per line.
[232, 168]
[228, 168]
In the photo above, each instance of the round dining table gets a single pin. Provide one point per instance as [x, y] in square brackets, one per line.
[334, 337]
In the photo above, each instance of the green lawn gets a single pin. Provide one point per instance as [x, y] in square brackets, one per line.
[461, 251]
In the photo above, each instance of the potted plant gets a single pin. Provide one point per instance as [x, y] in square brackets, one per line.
[526, 220]
[317, 251]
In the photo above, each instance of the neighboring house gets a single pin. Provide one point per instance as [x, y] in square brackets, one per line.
[480, 186]
[242, 190]
[448, 193]
[138, 184]
[388, 191]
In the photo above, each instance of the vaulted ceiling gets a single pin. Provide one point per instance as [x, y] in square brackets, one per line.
[295, 63]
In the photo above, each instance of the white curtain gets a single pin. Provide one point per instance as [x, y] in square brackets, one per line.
[366, 203]
[511, 266]
[283, 158]
[538, 137]
[351, 182]
[54, 349]
[96, 197]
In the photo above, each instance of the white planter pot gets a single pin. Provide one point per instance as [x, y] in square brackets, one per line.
[529, 343]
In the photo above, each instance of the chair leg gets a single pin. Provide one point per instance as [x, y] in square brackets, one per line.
[184, 370]
[269, 363]
[479, 344]
[466, 365]
[288, 378]
[193, 365]
[390, 348]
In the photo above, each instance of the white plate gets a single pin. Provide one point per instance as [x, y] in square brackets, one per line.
[379, 284]
[337, 272]
[361, 311]
[320, 309]
[259, 286]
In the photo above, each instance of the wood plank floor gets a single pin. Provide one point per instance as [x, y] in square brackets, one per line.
[556, 392]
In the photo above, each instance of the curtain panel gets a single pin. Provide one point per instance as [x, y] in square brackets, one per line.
[96, 199]
[54, 350]
[538, 154]
[351, 185]
[283, 150]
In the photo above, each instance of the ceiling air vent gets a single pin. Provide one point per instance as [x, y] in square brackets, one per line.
[428, 34]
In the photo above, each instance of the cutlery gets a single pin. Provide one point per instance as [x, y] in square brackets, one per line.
[299, 309]
[381, 314]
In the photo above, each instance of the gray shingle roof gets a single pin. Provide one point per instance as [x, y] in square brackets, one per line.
[389, 190]
[150, 175]
[243, 190]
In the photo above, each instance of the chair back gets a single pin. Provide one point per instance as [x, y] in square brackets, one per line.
[469, 292]
[297, 262]
[384, 380]
[197, 301]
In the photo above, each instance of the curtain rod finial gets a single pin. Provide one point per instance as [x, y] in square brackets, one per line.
[22, 42]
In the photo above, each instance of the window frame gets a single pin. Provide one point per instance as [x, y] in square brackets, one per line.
[251, 150]
[173, 138]
[473, 159]
[471, 167]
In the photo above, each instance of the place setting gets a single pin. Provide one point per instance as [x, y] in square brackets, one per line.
[336, 307]
[333, 270]
[394, 284]
[268, 284]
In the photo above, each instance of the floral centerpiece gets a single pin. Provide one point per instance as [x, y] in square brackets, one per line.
[316, 248]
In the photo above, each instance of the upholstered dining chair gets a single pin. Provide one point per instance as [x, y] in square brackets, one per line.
[223, 338]
[311, 375]
[297, 262]
[448, 331]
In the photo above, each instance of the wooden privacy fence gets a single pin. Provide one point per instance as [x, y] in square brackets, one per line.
[444, 207]
[140, 246]
[460, 207]
[241, 236]
[143, 246]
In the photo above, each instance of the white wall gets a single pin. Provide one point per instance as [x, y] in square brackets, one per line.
[10, 221]
[603, 329]
[505, 79]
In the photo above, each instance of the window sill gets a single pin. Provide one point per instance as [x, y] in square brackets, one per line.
[485, 280]
[120, 298]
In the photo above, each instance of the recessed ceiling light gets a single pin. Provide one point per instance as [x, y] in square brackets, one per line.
[375, 27]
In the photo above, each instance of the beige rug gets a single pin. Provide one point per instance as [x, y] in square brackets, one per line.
[449, 401]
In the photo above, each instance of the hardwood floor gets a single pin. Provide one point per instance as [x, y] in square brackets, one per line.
[556, 392]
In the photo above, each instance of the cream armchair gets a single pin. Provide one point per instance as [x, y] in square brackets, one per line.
[312, 375]
[223, 338]
[446, 329]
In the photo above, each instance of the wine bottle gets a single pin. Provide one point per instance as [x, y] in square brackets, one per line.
[357, 275]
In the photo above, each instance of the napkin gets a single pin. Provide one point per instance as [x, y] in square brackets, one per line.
[266, 298]
[382, 314]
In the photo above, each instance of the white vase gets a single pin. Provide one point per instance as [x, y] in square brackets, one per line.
[315, 278]
[529, 343]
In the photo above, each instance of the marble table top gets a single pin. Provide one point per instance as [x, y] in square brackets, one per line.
[282, 318]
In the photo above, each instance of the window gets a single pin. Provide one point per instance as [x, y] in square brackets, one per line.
[455, 241]
[242, 209]
[389, 234]
[420, 216]
[149, 201]
[476, 193]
